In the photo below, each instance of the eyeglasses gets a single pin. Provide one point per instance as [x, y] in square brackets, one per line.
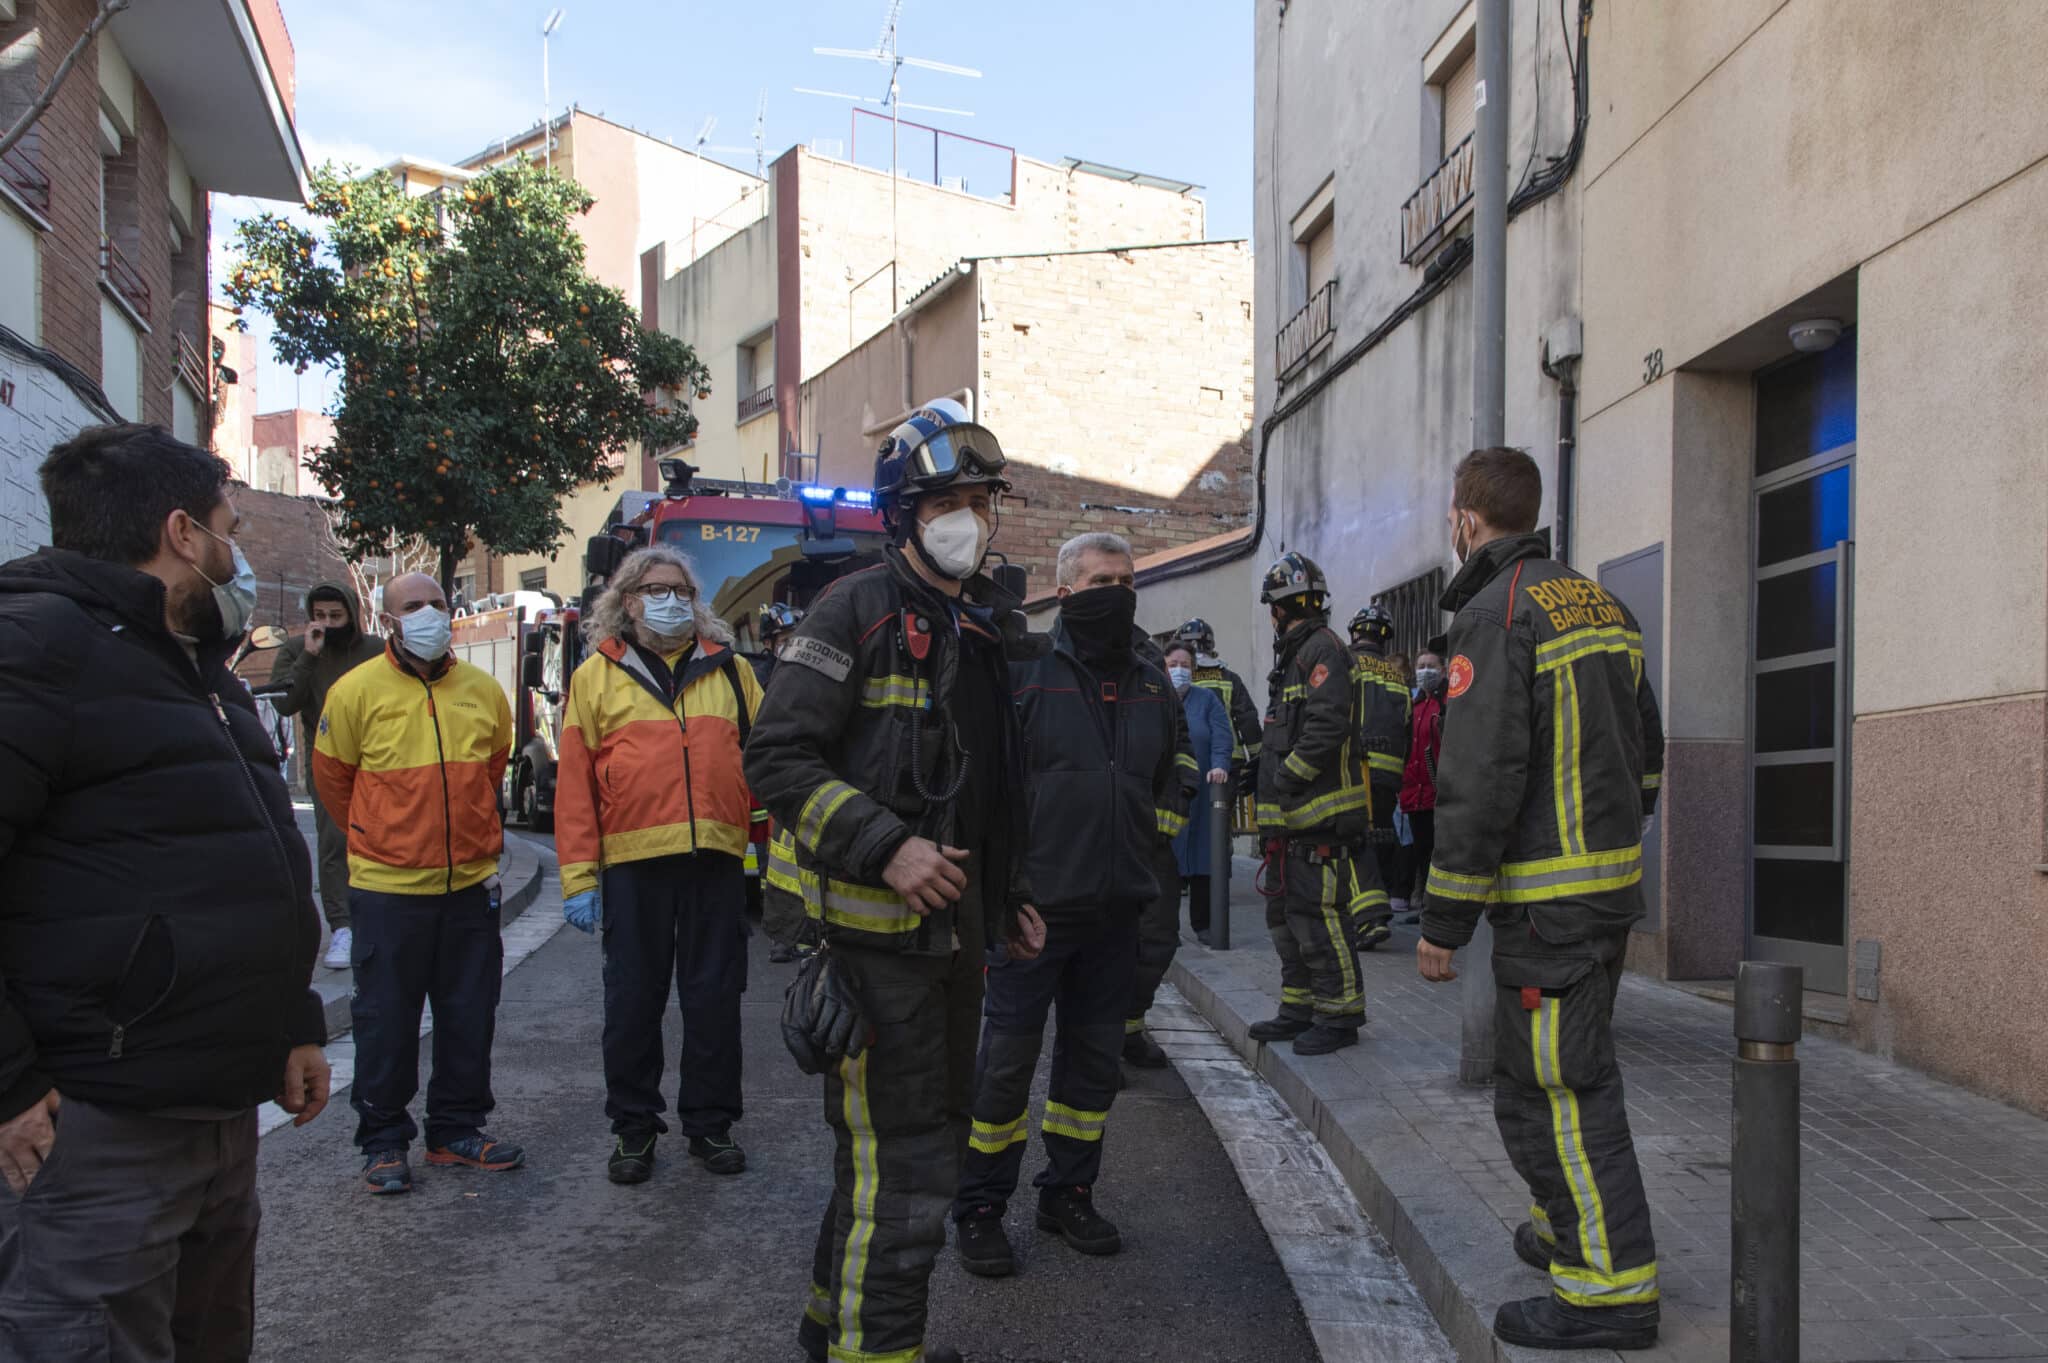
[660, 591]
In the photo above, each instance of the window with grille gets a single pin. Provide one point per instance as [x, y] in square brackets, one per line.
[1416, 617]
[533, 580]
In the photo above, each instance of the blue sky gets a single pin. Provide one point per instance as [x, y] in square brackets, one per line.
[1162, 86]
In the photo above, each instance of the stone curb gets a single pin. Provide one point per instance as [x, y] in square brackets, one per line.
[1452, 1244]
[524, 877]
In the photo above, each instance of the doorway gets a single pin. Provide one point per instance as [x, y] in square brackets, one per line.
[1802, 535]
[1637, 581]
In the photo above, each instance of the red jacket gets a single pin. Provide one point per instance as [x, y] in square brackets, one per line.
[1418, 782]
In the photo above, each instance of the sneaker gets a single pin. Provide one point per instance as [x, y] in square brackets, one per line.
[631, 1163]
[1321, 1040]
[782, 953]
[1372, 934]
[1142, 1051]
[1547, 1323]
[1397, 907]
[478, 1152]
[985, 1245]
[721, 1154]
[338, 948]
[1070, 1214]
[1279, 1029]
[385, 1171]
[1531, 1248]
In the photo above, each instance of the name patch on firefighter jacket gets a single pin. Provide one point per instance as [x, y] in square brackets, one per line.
[819, 656]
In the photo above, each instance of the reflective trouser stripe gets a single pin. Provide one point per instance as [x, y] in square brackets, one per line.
[853, 1073]
[1290, 994]
[992, 1138]
[1132, 1026]
[1566, 1131]
[1541, 1220]
[1585, 1287]
[819, 1307]
[1073, 1122]
[1352, 998]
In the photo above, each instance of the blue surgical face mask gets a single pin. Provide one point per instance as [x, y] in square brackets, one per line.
[426, 632]
[235, 597]
[1181, 677]
[672, 617]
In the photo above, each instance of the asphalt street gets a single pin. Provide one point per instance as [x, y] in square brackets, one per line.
[553, 1262]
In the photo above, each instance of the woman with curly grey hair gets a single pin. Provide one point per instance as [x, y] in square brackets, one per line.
[652, 820]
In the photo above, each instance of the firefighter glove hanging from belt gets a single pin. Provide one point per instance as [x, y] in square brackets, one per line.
[822, 1023]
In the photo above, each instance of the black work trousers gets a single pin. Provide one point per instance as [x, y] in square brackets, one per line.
[680, 918]
[1319, 980]
[899, 1114]
[136, 1243]
[410, 950]
[1085, 971]
[1158, 937]
[1558, 1100]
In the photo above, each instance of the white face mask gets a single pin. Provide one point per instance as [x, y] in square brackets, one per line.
[1181, 677]
[672, 618]
[426, 632]
[956, 542]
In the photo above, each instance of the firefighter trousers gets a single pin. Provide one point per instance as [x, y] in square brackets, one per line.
[1366, 889]
[1558, 1100]
[1158, 936]
[898, 1114]
[1319, 980]
[1085, 970]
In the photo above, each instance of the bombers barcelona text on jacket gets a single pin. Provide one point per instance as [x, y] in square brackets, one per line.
[858, 748]
[1553, 751]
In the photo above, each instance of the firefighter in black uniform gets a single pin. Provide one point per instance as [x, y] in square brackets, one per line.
[1102, 736]
[777, 907]
[1551, 762]
[888, 746]
[1314, 813]
[1383, 738]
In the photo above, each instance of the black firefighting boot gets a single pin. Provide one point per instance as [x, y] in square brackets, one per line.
[1547, 1323]
[1322, 1039]
[1530, 1247]
[1279, 1029]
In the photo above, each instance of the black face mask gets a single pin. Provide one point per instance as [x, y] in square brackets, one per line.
[1099, 622]
[340, 635]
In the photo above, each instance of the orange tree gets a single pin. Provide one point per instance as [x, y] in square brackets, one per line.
[484, 374]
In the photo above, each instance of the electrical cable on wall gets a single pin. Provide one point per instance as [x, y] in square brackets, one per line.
[1448, 264]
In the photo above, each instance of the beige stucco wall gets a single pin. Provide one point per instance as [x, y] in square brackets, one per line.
[726, 297]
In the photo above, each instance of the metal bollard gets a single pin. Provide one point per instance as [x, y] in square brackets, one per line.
[1219, 868]
[1763, 1290]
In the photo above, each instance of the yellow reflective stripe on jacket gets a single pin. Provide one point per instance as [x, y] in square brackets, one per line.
[783, 873]
[1170, 823]
[1535, 882]
[1387, 763]
[866, 908]
[992, 1138]
[879, 692]
[1580, 643]
[825, 801]
[1567, 787]
[1444, 884]
[1073, 1122]
[1293, 691]
[1186, 760]
[1306, 771]
[1317, 811]
[1653, 780]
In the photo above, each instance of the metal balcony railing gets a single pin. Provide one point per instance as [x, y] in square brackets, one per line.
[755, 403]
[19, 169]
[120, 272]
[1440, 198]
[1307, 332]
[191, 367]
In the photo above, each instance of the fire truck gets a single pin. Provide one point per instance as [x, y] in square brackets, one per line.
[752, 544]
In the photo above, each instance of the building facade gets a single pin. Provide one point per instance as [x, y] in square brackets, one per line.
[1772, 338]
[1119, 381]
[104, 224]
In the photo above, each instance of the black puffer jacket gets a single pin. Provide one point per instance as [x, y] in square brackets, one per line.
[1102, 779]
[157, 929]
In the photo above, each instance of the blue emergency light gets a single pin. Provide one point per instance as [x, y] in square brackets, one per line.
[825, 496]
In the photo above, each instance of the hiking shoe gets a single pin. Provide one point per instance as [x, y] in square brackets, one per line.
[1547, 1323]
[1279, 1029]
[782, 953]
[385, 1171]
[632, 1163]
[1142, 1051]
[1531, 1248]
[478, 1152]
[1070, 1214]
[1372, 934]
[721, 1154]
[985, 1245]
[1321, 1040]
[339, 948]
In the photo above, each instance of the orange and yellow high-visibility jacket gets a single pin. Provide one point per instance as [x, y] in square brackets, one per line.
[650, 766]
[410, 767]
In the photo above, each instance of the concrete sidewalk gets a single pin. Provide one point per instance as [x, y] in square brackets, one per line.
[1925, 1208]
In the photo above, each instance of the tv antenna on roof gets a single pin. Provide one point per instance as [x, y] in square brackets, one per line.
[885, 53]
[760, 147]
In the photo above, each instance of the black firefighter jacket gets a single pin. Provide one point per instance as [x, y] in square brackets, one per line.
[1103, 779]
[1552, 754]
[157, 929]
[1312, 785]
[1383, 730]
[859, 715]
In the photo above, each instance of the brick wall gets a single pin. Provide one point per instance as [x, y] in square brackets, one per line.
[1120, 383]
[64, 143]
[285, 540]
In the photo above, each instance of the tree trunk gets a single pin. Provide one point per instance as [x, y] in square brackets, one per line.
[451, 558]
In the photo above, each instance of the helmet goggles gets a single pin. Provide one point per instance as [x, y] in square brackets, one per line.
[954, 454]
